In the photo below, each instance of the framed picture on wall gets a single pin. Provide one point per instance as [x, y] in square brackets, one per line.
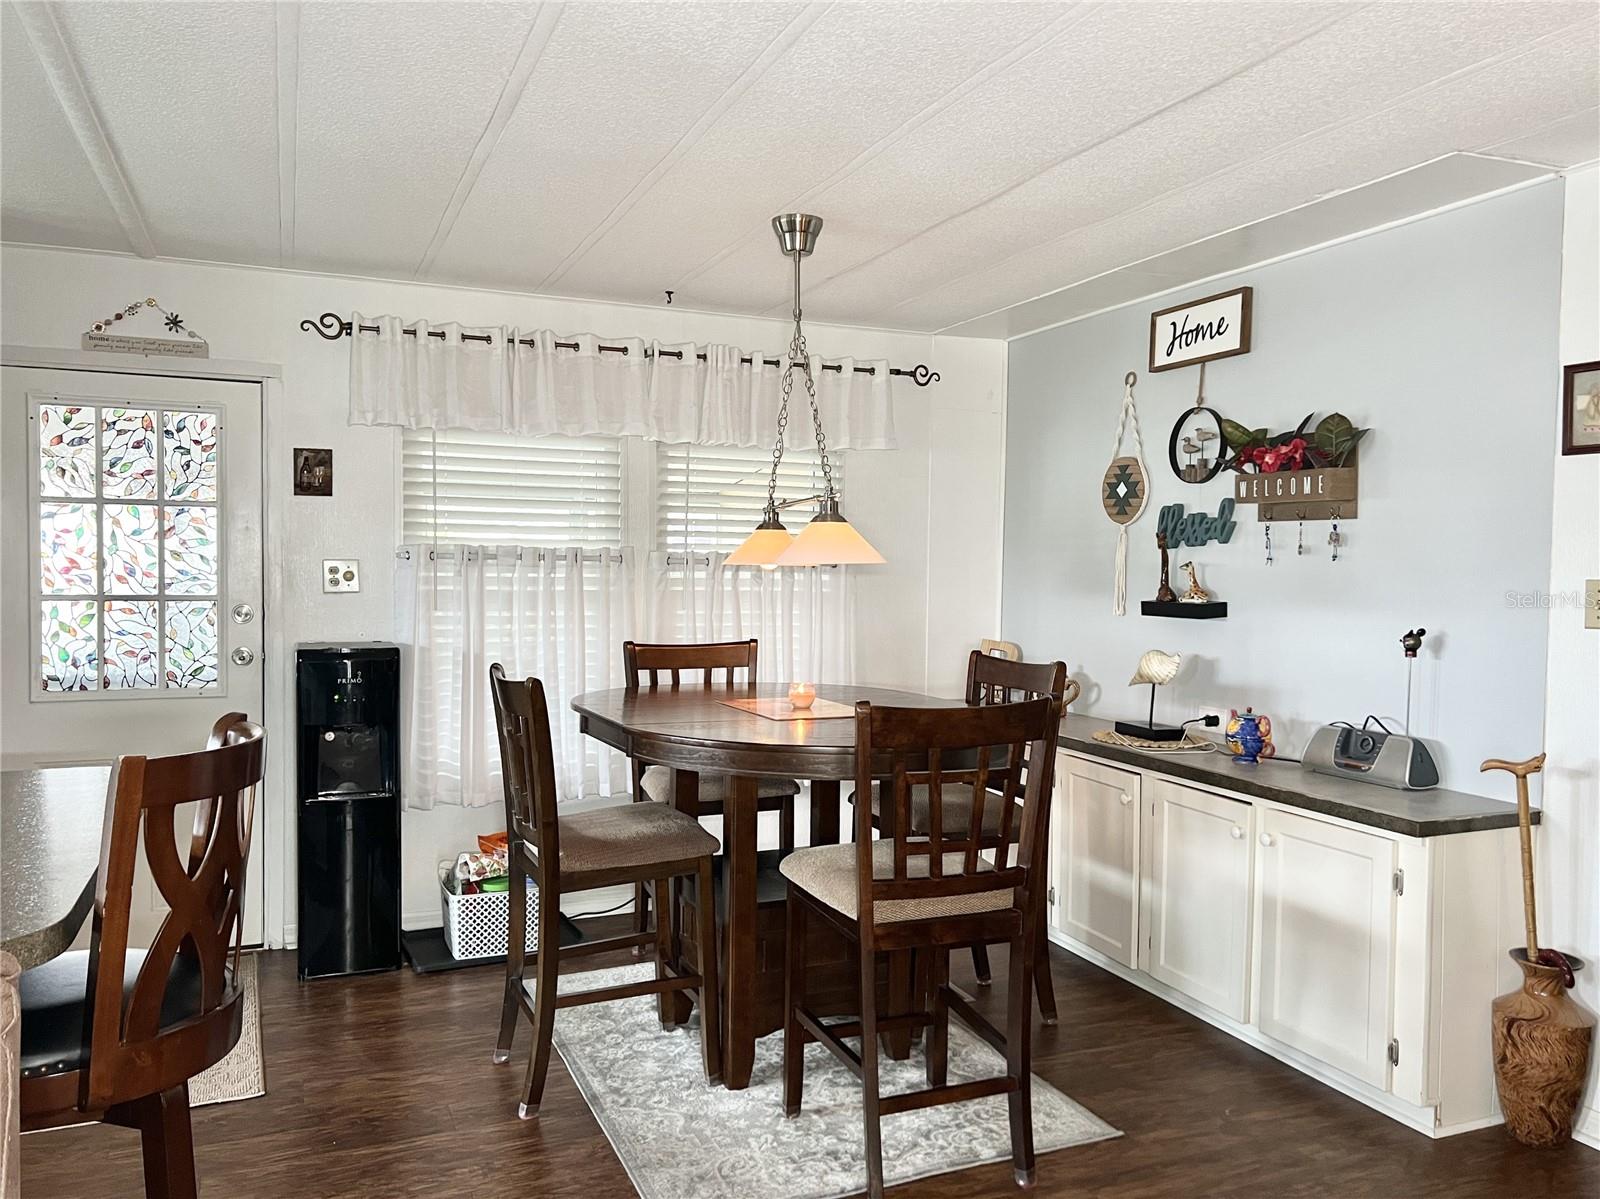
[1580, 409]
[313, 471]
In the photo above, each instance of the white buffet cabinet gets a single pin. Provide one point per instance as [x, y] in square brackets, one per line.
[1365, 958]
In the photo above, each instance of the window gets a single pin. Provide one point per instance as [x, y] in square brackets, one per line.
[129, 547]
[710, 498]
[489, 488]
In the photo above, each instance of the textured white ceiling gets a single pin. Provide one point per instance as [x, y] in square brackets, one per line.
[966, 157]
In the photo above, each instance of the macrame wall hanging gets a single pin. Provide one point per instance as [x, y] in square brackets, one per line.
[1125, 489]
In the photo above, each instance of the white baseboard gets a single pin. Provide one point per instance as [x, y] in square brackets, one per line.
[1588, 1130]
[1423, 1119]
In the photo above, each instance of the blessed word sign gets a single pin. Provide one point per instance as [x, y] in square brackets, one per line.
[1197, 528]
[1201, 330]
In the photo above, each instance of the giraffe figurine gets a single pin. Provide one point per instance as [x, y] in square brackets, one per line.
[1196, 593]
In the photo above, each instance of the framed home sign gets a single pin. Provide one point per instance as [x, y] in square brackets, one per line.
[1200, 331]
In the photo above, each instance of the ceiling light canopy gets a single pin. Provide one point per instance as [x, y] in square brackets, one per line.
[829, 540]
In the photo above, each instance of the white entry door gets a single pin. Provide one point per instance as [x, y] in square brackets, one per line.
[130, 575]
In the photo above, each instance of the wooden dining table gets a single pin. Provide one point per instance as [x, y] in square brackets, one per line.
[692, 730]
[51, 822]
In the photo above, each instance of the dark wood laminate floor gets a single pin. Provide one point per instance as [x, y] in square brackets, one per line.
[382, 1086]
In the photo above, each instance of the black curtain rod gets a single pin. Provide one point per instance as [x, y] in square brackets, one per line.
[332, 326]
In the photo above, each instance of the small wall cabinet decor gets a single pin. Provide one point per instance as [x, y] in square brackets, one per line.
[1201, 330]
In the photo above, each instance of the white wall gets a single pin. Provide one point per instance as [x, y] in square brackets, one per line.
[917, 615]
[1441, 336]
[1569, 842]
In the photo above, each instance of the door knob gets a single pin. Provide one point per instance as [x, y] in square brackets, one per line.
[243, 614]
[1266, 840]
[1126, 799]
[1236, 833]
[243, 656]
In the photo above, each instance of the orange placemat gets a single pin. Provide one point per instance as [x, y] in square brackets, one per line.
[778, 708]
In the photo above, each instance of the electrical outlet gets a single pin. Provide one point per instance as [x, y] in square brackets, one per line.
[1591, 604]
[341, 574]
[1222, 719]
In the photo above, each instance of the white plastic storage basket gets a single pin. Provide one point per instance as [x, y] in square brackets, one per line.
[476, 926]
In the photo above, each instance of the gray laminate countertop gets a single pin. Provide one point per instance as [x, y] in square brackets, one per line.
[50, 826]
[1411, 813]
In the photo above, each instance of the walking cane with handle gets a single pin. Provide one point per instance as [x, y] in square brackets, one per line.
[1525, 828]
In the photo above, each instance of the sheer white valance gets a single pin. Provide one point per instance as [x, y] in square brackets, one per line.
[657, 391]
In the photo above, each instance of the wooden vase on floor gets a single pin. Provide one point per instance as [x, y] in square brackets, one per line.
[1541, 1053]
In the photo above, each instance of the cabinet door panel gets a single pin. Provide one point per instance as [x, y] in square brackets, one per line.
[1197, 894]
[1099, 856]
[1327, 934]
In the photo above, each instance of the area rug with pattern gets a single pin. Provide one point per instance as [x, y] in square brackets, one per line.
[680, 1139]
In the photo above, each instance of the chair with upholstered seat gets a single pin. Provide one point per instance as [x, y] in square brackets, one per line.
[115, 1033]
[993, 679]
[649, 844]
[644, 665]
[930, 893]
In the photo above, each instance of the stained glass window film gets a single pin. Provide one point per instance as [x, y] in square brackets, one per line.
[129, 532]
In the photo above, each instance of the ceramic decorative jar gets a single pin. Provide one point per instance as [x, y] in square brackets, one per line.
[1541, 1052]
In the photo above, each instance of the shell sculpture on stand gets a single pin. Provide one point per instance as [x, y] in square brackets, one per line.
[1158, 667]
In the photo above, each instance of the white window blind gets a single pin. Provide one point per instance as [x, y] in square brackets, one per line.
[711, 497]
[496, 488]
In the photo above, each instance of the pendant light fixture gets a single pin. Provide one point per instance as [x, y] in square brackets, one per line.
[829, 539]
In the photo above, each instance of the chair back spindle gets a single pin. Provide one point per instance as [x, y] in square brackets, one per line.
[948, 863]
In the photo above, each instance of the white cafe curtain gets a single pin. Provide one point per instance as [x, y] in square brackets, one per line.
[558, 613]
[657, 391]
[804, 619]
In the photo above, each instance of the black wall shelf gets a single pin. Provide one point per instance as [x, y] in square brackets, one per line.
[1215, 610]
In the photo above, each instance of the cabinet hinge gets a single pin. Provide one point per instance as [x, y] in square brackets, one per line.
[1399, 882]
[1394, 1053]
[1051, 895]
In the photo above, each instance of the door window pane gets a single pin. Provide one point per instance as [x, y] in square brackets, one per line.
[69, 658]
[192, 644]
[66, 450]
[191, 545]
[191, 455]
[128, 453]
[68, 541]
[130, 549]
[133, 647]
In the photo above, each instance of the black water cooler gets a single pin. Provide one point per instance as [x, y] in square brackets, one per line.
[348, 805]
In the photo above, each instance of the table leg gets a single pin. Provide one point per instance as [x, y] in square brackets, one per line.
[824, 811]
[739, 880]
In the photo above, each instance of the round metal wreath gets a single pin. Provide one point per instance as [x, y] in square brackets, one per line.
[1172, 444]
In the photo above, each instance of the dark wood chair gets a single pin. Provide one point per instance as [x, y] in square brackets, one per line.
[646, 664]
[644, 843]
[115, 1033]
[930, 893]
[997, 680]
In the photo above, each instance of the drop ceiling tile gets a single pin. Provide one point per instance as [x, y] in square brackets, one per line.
[48, 192]
[611, 98]
[828, 101]
[1532, 88]
[1114, 68]
[186, 93]
[1374, 59]
[392, 100]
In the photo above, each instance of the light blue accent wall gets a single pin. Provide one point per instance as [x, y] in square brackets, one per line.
[1441, 335]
